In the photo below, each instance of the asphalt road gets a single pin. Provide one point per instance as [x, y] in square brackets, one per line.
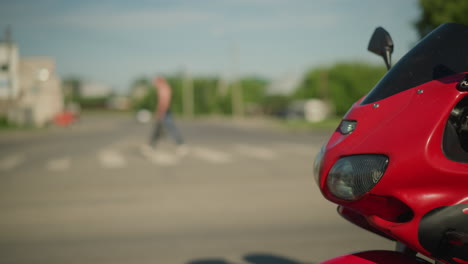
[242, 193]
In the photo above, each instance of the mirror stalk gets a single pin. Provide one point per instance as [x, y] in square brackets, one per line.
[388, 59]
[382, 44]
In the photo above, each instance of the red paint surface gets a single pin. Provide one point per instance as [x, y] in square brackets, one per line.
[376, 257]
[408, 128]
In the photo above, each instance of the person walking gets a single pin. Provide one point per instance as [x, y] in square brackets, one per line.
[163, 115]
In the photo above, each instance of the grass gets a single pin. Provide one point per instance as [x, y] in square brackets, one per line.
[329, 124]
[294, 125]
[7, 126]
[90, 112]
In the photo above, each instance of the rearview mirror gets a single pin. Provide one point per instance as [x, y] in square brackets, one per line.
[382, 44]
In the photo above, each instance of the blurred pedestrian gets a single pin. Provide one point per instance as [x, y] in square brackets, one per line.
[163, 115]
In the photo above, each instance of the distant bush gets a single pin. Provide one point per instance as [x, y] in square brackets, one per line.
[93, 102]
[5, 123]
[210, 94]
[341, 84]
[276, 105]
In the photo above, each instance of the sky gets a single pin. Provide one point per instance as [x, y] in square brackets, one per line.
[118, 41]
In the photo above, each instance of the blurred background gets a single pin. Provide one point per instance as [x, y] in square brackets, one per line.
[258, 87]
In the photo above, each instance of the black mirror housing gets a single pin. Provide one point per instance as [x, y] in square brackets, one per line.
[381, 43]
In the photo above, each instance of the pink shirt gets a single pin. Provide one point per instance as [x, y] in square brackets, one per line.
[164, 96]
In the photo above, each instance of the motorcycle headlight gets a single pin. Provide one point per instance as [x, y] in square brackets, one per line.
[352, 176]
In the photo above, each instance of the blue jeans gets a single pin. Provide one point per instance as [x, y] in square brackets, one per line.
[167, 123]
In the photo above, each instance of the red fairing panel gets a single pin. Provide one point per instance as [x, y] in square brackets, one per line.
[376, 257]
[408, 128]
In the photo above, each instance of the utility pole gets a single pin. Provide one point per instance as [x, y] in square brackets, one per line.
[237, 95]
[237, 102]
[187, 94]
[6, 68]
[323, 85]
[8, 38]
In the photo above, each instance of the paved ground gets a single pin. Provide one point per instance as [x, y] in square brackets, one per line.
[243, 193]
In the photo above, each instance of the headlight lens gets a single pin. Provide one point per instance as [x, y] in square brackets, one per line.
[347, 126]
[318, 164]
[353, 176]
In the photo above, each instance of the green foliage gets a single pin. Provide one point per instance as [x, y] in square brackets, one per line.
[342, 84]
[71, 87]
[254, 92]
[205, 95]
[224, 103]
[208, 94]
[148, 102]
[309, 88]
[176, 83]
[327, 124]
[436, 12]
[93, 102]
[276, 104]
[253, 89]
[142, 81]
[349, 82]
[142, 94]
[4, 122]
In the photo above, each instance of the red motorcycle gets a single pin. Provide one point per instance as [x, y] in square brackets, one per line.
[397, 165]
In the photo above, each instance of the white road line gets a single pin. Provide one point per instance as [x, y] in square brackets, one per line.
[211, 155]
[60, 164]
[111, 159]
[298, 148]
[11, 162]
[158, 156]
[256, 152]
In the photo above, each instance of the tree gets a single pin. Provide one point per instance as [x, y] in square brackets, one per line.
[276, 105]
[436, 12]
[205, 95]
[142, 94]
[176, 82]
[253, 89]
[254, 92]
[207, 98]
[346, 83]
[71, 88]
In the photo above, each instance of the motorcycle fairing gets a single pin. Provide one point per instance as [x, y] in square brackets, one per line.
[376, 257]
[407, 125]
[408, 128]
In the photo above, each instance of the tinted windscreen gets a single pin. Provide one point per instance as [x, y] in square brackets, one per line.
[442, 53]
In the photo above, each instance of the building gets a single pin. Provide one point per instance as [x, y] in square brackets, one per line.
[9, 79]
[41, 97]
[30, 92]
[312, 110]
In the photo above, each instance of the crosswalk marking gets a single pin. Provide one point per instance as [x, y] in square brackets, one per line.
[60, 164]
[111, 159]
[298, 148]
[210, 155]
[256, 152]
[162, 158]
[11, 162]
[158, 157]
[116, 156]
